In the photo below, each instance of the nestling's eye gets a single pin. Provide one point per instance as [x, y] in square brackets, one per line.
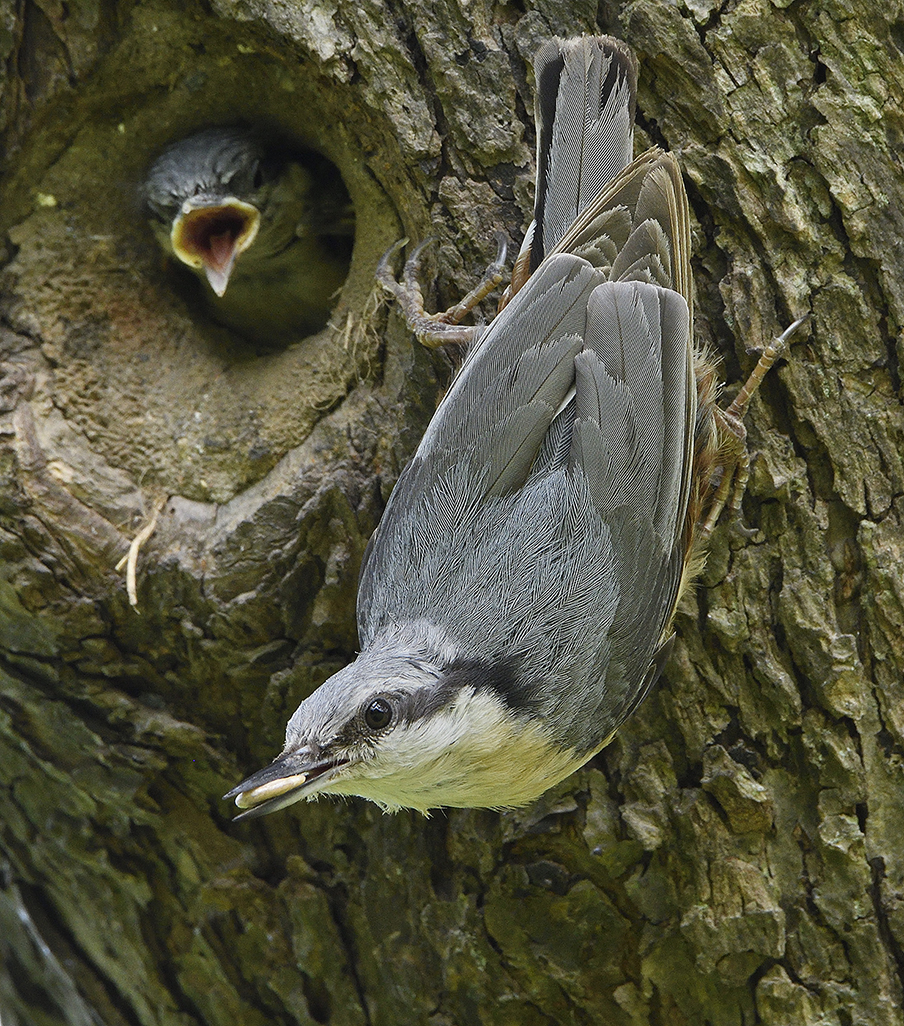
[378, 714]
[258, 179]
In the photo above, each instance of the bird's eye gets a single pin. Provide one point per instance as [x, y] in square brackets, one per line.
[258, 179]
[378, 714]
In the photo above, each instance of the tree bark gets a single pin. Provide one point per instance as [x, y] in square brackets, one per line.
[736, 856]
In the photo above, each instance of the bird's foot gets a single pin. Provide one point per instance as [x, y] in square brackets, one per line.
[733, 459]
[776, 348]
[444, 328]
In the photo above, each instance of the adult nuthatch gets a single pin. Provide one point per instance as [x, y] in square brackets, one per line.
[271, 237]
[516, 601]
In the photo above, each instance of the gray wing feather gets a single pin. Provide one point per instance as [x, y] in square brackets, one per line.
[643, 218]
[523, 358]
[634, 404]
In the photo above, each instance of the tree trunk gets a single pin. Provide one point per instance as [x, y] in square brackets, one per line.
[736, 856]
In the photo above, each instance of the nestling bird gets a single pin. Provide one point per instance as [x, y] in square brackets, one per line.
[516, 601]
[269, 235]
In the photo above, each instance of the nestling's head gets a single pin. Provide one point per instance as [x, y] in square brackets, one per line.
[206, 193]
[268, 226]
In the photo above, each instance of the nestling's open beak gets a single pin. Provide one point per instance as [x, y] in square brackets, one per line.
[290, 777]
[212, 236]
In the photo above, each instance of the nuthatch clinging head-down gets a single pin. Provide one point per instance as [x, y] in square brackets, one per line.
[515, 603]
[270, 235]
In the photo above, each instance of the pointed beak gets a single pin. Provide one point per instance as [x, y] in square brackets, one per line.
[213, 235]
[289, 778]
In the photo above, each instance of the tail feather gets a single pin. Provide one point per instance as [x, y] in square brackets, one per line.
[586, 92]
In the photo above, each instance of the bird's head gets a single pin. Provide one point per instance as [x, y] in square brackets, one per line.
[206, 193]
[406, 731]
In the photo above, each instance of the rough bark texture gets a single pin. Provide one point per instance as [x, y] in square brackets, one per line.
[737, 855]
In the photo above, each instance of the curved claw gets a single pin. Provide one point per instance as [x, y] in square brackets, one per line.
[384, 271]
[501, 248]
[413, 265]
[419, 249]
[782, 340]
[740, 528]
